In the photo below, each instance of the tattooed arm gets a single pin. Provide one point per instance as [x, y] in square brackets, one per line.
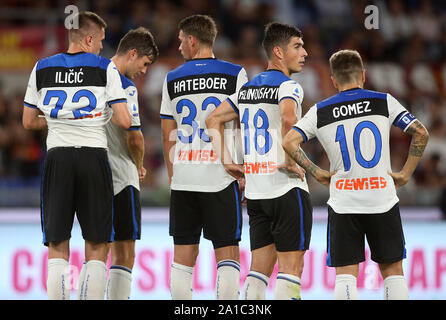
[420, 136]
[291, 145]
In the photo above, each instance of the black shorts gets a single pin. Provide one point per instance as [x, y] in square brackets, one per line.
[219, 214]
[285, 221]
[77, 180]
[346, 243]
[127, 214]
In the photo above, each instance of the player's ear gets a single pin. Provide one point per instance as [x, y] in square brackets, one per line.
[133, 54]
[363, 76]
[278, 52]
[335, 83]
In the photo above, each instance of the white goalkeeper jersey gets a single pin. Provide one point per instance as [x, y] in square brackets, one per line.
[123, 168]
[257, 104]
[75, 93]
[190, 93]
[353, 127]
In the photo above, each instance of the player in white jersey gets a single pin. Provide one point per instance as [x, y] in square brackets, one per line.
[279, 208]
[353, 128]
[78, 92]
[203, 195]
[136, 51]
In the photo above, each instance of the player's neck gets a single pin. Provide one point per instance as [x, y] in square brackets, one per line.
[349, 86]
[278, 66]
[120, 63]
[203, 53]
[75, 47]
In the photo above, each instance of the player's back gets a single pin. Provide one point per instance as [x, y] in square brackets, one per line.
[261, 124]
[191, 92]
[72, 90]
[353, 126]
[123, 168]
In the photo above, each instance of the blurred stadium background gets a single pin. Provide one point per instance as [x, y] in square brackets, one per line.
[405, 56]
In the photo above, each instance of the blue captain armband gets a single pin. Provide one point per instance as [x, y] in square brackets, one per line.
[403, 120]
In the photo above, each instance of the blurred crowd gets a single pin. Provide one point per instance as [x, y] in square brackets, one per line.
[405, 56]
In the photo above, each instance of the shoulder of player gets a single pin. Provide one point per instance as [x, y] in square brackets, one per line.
[213, 65]
[126, 82]
[73, 60]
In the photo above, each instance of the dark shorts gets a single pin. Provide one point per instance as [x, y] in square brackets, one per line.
[77, 180]
[218, 214]
[127, 214]
[346, 237]
[285, 221]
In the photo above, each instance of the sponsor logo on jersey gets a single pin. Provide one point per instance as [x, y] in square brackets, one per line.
[264, 167]
[367, 183]
[198, 155]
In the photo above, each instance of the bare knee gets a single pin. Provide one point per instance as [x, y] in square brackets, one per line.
[291, 262]
[391, 269]
[186, 254]
[123, 253]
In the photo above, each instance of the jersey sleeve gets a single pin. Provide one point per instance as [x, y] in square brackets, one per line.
[398, 114]
[31, 95]
[113, 90]
[133, 106]
[307, 126]
[166, 105]
[291, 90]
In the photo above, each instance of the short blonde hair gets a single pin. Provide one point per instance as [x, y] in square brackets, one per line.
[346, 66]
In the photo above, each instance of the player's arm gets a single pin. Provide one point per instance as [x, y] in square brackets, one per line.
[169, 128]
[32, 120]
[215, 123]
[289, 118]
[121, 116]
[135, 145]
[291, 144]
[420, 137]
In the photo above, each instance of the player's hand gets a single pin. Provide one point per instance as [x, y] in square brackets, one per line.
[241, 184]
[235, 170]
[142, 173]
[293, 168]
[399, 178]
[324, 177]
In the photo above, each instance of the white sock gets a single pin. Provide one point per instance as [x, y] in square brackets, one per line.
[345, 287]
[287, 287]
[58, 282]
[227, 285]
[395, 288]
[181, 282]
[80, 283]
[95, 280]
[255, 286]
[119, 283]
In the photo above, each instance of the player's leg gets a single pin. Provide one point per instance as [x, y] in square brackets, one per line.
[120, 273]
[127, 226]
[94, 208]
[291, 229]
[345, 250]
[58, 282]
[263, 250]
[386, 240]
[57, 214]
[185, 226]
[291, 265]
[182, 268]
[262, 264]
[345, 283]
[395, 285]
[221, 214]
[227, 285]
